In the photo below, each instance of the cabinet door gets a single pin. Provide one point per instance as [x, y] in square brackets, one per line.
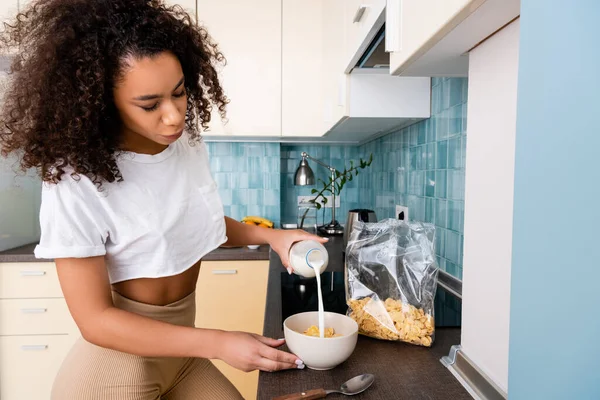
[35, 317]
[419, 21]
[302, 68]
[334, 62]
[231, 295]
[8, 9]
[188, 5]
[357, 33]
[28, 365]
[249, 35]
[29, 280]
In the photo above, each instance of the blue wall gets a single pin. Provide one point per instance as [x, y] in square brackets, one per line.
[554, 327]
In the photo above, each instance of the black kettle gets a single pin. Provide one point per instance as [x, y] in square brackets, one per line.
[358, 214]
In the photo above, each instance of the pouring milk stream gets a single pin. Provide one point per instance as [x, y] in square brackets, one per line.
[309, 258]
[317, 267]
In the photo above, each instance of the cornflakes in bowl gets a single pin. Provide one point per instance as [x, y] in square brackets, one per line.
[314, 331]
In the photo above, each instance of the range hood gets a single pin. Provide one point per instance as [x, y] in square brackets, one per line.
[371, 53]
[375, 55]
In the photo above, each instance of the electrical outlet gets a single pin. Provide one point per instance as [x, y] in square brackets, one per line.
[401, 212]
[302, 199]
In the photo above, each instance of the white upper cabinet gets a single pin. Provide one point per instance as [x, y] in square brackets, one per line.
[8, 10]
[418, 22]
[303, 68]
[249, 35]
[376, 103]
[188, 5]
[362, 21]
[433, 37]
[335, 46]
[363, 104]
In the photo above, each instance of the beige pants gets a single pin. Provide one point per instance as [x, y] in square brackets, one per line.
[93, 372]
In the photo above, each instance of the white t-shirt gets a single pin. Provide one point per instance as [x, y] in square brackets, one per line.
[160, 220]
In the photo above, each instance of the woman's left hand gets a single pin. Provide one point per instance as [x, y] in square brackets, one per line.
[282, 240]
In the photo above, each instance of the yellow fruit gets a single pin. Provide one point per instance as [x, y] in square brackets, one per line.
[249, 223]
[258, 220]
[264, 225]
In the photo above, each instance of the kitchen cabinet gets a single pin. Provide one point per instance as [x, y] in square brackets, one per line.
[418, 22]
[29, 363]
[362, 20]
[249, 36]
[433, 37]
[303, 64]
[23, 4]
[334, 62]
[36, 330]
[231, 295]
[188, 5]
[373, 104]
[285, 72]
[8, 9]
[363, 104]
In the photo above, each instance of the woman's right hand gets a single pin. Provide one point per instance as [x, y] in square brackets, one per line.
[248, 352]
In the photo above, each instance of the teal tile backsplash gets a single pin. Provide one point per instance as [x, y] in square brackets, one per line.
[248, 176]
[425, 163]
[421, 166]
[339, 157]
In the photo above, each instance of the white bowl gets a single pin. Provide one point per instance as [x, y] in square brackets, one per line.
[253, 246]
[321, 353]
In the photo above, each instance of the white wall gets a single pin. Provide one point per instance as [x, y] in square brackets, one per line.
[489, 188]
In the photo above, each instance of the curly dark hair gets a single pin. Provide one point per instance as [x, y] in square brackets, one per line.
[59, 110]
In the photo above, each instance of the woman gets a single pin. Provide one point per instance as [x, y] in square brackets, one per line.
[103, 102]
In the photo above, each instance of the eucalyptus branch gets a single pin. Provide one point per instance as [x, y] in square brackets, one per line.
[338, 182]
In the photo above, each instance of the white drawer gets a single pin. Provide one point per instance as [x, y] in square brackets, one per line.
[29, 280]
[35, 317]
[28, 365]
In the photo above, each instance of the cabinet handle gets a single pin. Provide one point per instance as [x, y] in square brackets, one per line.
[34, 347]
[33, 310]
[33, 273]
[359, 13]
[224, 271]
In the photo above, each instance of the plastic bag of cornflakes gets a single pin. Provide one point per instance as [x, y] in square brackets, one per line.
[391, 280]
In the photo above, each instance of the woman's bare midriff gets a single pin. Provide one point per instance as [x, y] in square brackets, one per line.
[160, 291]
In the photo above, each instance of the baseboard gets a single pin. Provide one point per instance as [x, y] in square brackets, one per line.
[478, 384]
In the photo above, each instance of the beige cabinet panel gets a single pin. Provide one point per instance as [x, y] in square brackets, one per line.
[29, 280]
[8, 9]
[231, 295]
[28, 365]
[35, 317]
[188, 5]
[302, 68]
[249, 35]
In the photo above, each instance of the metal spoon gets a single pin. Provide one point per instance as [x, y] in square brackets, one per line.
[356, 385]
